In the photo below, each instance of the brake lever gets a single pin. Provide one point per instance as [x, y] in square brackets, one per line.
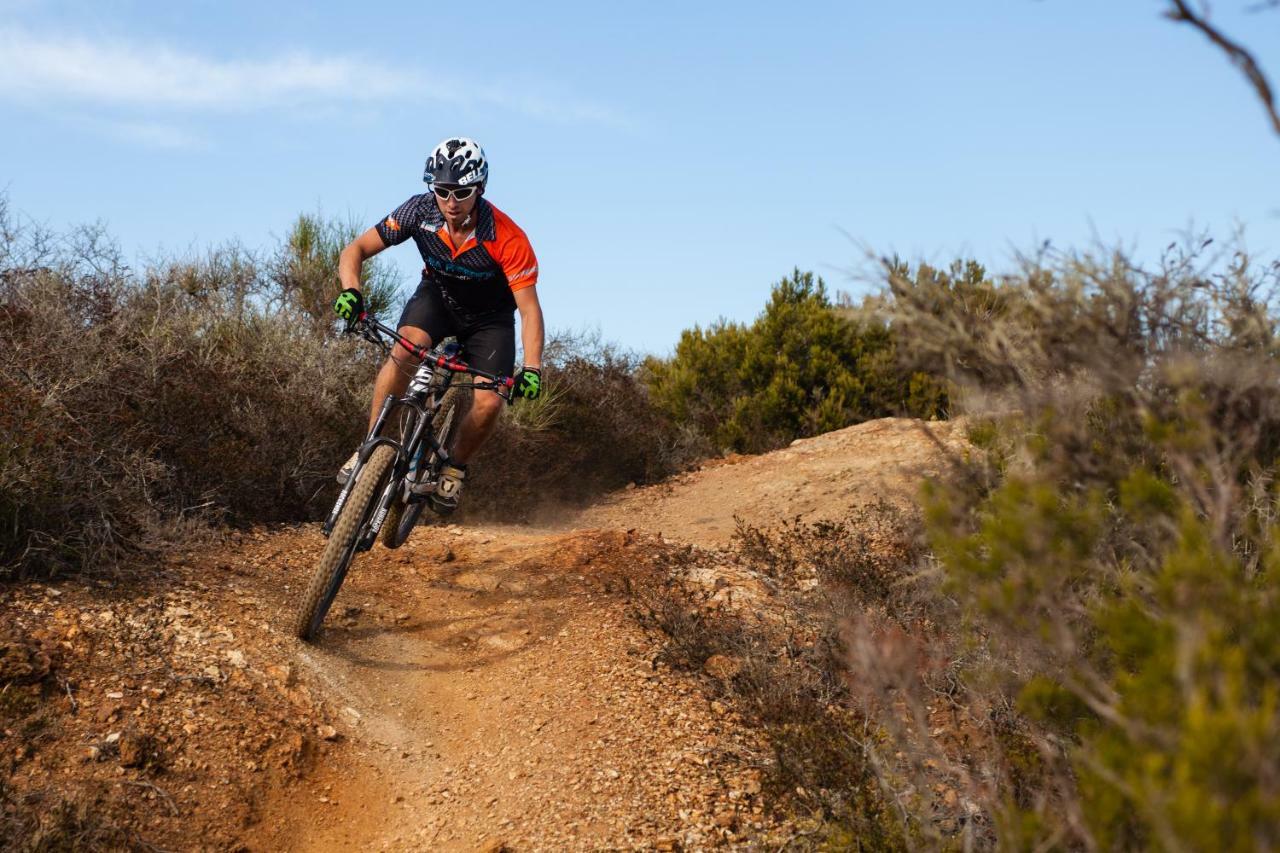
[369, 333]
[502, 389]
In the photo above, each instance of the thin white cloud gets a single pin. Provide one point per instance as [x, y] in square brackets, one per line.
[44, 68]
[34, 66]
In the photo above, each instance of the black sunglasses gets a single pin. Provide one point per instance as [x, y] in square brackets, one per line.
[459, 193]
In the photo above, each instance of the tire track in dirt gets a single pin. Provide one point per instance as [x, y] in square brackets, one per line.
[506, 697]
[494, 692]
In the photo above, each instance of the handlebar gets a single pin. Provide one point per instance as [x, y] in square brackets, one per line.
[373, 331]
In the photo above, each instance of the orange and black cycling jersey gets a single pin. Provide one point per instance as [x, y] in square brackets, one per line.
[477, 278]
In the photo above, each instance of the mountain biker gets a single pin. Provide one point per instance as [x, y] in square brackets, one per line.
[479, 270]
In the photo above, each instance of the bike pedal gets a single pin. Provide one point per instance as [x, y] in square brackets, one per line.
[440, 507]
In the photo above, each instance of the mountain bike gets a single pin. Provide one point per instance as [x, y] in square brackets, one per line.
[399, 463]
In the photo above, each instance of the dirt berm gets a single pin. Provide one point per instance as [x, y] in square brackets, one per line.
[480, 688]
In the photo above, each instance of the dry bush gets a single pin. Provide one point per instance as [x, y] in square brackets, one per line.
[594, 429]
[140, 407]
[251, 410]
[1112, 551]
[72, 482]
[868, 557]
[1082, 651]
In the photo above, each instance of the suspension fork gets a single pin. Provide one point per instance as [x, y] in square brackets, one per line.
[425, 412]
[422, 430]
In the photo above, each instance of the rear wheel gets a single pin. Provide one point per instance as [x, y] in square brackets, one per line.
[403, 516]
[341, 547]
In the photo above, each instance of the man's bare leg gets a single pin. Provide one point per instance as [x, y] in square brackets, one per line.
[396, 371]
[483, 417]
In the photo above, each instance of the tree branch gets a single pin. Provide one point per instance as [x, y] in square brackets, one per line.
[1239, 57]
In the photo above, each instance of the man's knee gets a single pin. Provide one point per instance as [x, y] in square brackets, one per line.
[401, 357]
[486, 405]
[402, 360]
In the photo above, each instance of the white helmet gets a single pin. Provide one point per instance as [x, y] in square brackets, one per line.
[457, 161]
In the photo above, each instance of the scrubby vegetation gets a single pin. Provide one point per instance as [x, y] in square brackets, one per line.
[802, 368]
[141, 405]
[594, 430]
[1117, 542]
[1075, 646]
[144, 405]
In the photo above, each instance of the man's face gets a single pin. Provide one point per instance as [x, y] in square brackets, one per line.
[453, 207]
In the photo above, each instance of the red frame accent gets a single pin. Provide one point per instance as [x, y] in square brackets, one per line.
[454, 364]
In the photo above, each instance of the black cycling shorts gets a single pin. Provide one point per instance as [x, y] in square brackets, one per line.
[488, 342]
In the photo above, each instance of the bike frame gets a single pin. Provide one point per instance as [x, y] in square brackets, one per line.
[443, 363]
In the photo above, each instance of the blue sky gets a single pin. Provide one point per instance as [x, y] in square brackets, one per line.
[668, 160]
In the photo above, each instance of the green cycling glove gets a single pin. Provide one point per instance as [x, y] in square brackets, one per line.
[349, 305]
[528, 384]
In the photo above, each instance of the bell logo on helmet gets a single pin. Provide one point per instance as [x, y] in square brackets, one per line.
[457, 161]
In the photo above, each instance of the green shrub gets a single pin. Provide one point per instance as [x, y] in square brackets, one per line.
[800, 369]
[1119, 562]
[304, 271]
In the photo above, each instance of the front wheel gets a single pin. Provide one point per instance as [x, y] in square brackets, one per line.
[341, 547]
[403, 516]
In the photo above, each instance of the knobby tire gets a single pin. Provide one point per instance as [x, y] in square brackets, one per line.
[341, 547]
[403, 517]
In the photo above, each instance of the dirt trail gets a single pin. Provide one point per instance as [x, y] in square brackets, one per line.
[481, 688]
[491, 690]
[505, 696]
[818, 478]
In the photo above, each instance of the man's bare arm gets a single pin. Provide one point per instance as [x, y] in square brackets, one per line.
[531, 328]
[355, 254]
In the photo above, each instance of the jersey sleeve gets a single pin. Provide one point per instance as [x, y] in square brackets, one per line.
[515, 255]
[397, 226]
